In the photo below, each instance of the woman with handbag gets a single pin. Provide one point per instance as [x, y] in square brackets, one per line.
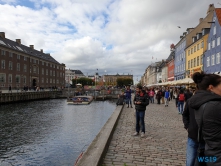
[207, 105]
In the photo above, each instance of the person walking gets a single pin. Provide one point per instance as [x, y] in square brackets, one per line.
[181, 99]
[158, 96]
[175, 94]
[141, 100]
[128, 96]
[207, 105]
[191, 127]
[166, 97]
[188, 94]
[151, 95]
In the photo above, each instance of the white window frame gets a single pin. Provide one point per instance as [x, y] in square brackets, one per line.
[10, 65]
[213, 43]
[3, 64]
[218, 41]
[25, 68]
[212, 60]
[208, 46]
[10, 78]
[218, 58]
[214, 30]
[18, 66]
[2, 77]
[208, 61]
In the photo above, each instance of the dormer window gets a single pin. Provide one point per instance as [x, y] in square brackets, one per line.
[203, 32]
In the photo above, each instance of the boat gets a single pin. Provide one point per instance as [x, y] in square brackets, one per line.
[80, 100]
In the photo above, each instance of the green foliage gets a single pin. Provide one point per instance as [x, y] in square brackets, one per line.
[124, 81]
[83, 81]
[160, 81]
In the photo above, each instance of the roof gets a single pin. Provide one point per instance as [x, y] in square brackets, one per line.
[171, 56]
[77, 71]
[25, 49]
[218, 14]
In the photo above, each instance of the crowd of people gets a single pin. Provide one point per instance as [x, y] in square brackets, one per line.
[200, 109]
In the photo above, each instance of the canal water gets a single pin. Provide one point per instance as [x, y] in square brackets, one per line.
[49, 132]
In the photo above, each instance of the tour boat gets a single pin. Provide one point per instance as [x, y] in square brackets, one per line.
[80, 100]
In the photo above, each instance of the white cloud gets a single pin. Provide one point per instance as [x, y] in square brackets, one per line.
[117, 36]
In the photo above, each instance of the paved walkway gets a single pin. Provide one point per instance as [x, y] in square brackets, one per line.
[163, 145]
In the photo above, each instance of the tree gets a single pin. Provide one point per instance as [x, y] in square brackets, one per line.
[83, 81]
[160, 81]
[124, 81]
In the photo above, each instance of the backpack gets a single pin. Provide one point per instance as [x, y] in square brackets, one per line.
[181, 97]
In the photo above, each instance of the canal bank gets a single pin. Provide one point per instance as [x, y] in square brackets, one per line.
[97, 149]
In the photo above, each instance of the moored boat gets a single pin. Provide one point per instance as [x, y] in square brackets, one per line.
[80, 100]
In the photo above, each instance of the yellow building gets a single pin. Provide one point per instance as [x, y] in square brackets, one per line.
[195, 52]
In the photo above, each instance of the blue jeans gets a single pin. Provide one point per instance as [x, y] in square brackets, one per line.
[191, 151]
[151, 99]
[140, 120]
[180, 106]
[128, 101]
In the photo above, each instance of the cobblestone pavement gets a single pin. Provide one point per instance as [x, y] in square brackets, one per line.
[164, 143]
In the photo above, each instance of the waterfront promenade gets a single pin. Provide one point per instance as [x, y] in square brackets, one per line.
[163, 145]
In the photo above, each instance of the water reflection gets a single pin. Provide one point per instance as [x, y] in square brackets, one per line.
[49, 132]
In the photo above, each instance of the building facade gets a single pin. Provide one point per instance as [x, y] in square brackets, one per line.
[180, 58]
[111, 80]
[212, 55]
[195, 52]
[24, 66]
[170, 65]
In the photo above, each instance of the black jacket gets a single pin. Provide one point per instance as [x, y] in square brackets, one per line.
[189, 122]
[144, 99]
[188, 95]
[211, 128]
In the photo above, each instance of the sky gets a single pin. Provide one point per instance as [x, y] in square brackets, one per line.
[104, 36]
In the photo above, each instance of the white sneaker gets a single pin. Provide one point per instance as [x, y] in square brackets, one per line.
[135, 134]
[142, 134]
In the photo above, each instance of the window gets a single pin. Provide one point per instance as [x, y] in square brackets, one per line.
[188, 52]
[46, 71]
[10, 65]
[3, 52]
[191, 50]
[2, 78]
[42, 63]
[3, 64]
[53, 73]
[57, 81]
[34, 61]
[202, 44]
[18, 66]
[25, 58]
[10, 54]
[218, 58]
[42, 71]
[17, 78]
[25, 68]
[9, 78]
[46, 80]
[198, 47]
[18, 56]
[50, 65]
[194, 48]
[218, 41]
[46, 64]
[212, 60]
[50, 80]
[214, 30]
[50, 72]
[34, 69]
[201, 59]
[208, 46]
[198, 61]
[213, 43]
[191, 63]
[30, 60]
[42, 80]
[208, 61]
[194, 62]
[53, 81]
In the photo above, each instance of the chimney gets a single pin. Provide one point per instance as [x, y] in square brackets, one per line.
[189, 30]
[200, 20]
[210, 9]
[2, 34]
[32, 47]
[18, 41]
[41, 50]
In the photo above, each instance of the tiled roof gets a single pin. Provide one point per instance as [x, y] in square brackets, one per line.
[218, 14]
[22, 48]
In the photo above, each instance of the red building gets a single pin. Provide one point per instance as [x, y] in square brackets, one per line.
[21, 66]
[170, 65]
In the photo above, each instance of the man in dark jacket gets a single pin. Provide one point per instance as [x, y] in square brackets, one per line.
[211, 122]
[188, 94]
[141, 100]
[191, 126]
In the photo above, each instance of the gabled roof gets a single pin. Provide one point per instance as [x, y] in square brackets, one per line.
[27, 50]
[218, 14]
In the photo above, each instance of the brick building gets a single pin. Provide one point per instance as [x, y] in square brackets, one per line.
[24, 66]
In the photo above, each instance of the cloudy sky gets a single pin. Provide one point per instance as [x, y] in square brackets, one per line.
[116, 36]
